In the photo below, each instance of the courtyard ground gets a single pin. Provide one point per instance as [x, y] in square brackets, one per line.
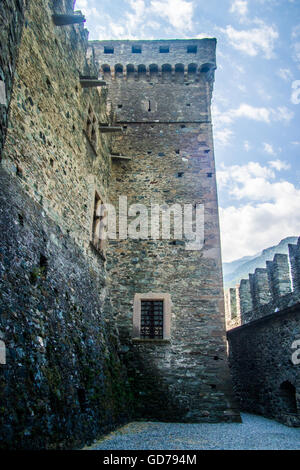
[254, 433]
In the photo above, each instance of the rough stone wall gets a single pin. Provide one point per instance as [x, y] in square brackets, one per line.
[11, 22]
[266, 379]
[63, 383]
[260, 355]
[172, 161]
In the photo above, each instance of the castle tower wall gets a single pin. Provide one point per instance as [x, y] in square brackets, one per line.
[63, 383]
[12, 18]
[162, 101]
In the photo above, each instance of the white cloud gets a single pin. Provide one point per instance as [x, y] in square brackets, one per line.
[260, 114]
[81, 4]
[265, 212]
[279, 165]
[296, 51]
[295, 98]
[179, 13]
[240, 7]
[260, 39]
[247, 146]
[285, 74]
[268, 148]
[223, 137]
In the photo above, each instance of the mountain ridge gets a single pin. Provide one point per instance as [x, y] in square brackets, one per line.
[239, 269]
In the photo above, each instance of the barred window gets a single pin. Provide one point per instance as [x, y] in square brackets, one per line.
[151, 316]
[152, 319]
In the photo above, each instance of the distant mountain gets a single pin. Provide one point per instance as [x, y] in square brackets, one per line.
[239, 269]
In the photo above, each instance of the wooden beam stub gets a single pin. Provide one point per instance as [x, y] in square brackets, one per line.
[63, 19]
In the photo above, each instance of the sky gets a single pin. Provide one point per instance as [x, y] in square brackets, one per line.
[256, 103]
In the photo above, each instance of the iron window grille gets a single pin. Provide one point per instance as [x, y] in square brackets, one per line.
[152, 319]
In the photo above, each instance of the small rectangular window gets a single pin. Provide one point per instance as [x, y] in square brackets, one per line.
[164, 49]
[152, 316]
[136, 50]
[109, 50]
[192, 49]
[152, 319]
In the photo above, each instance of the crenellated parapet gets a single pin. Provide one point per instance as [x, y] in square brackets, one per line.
[267, 290]
[279, 275]
[294, 255]
[180, 73]
[172, 60]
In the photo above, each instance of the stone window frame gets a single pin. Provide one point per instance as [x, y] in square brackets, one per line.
[91, 130]
[100, 246]
[136, 333]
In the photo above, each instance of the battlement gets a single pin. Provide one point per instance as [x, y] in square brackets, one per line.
[268, 290]
[161, 59]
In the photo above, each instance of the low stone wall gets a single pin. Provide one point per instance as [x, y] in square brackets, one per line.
[266, 379]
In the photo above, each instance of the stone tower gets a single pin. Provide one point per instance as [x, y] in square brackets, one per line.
[168, 300]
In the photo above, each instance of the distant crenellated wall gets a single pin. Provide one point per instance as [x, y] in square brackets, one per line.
[267, 290]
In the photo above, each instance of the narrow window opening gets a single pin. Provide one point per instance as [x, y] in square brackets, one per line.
[120, 106]
[136, 49]
[109, 50]
[191, 49]
[177, 152]
[82, 399]
[91, 126]
[19, 171]
[164, 49]
[209, 175]
[149, 107]
[43, 265]
[21, 220]
[152, 319]
[180, 175]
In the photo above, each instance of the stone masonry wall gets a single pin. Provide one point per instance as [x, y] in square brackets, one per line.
[260, 355]
[265, 375]
[63, 383]
[172, 161]
[11, 18]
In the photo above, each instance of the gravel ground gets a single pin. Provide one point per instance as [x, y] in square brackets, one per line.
[255, 433]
